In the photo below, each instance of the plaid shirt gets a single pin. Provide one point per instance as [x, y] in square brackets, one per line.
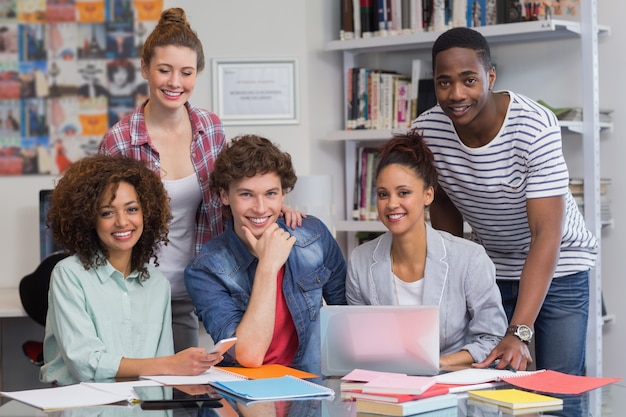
[129, 137]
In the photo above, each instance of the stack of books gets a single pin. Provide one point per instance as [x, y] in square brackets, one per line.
[395, 394]
[513, 401]
[576, 186]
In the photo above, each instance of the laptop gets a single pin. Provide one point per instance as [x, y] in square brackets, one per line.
[401, 339]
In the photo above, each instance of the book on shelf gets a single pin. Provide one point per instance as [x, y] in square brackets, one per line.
[366, 12]
[352, 110]
[364, 207]
[386, 98]
[440, 402]
[373, 18]
[362, 99]
[515, 399]
[347, 20]
[356, 17]
[374, 101]
[406, 16]
[369, 18]
[370, 186]
[381, 10]
[369, 98]
[577, 186]
[401, 102]
[438, 21]
[363, 185]
[417, 21]
[416, 72]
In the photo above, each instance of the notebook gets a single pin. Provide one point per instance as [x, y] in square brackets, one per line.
[402, 339]
[284, 387]
[515, 399]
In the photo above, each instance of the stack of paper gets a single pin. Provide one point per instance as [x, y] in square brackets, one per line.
[78, 395]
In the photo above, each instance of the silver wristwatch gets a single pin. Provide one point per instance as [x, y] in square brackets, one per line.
[521, 331]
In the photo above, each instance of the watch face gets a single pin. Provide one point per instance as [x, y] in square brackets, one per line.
[524, 332]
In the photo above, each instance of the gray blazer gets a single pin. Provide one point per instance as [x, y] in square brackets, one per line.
[459, 278]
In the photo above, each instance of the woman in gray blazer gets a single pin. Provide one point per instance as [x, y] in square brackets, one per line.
[414, 264]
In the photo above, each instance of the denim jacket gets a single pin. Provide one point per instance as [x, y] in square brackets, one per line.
[219, 281]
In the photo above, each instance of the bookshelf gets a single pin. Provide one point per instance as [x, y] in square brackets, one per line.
[586, 30]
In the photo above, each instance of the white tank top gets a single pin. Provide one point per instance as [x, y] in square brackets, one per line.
[408, 293]
[185, 198]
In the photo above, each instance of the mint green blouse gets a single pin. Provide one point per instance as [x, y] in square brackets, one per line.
[96, 317]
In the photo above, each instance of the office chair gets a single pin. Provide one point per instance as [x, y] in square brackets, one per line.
[33, 291]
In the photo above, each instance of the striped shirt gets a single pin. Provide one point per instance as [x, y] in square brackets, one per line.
[129, 137]
[491, 184]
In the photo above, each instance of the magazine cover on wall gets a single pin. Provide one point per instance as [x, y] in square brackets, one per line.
[69, 69]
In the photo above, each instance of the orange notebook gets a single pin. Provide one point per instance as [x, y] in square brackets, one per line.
[267, 371]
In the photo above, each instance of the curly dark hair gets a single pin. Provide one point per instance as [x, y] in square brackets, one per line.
[77, 197]
[246, 156]
[462, 37]
[173, 29]
[409, 150]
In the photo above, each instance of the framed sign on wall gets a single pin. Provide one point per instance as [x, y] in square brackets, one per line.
[255, 91]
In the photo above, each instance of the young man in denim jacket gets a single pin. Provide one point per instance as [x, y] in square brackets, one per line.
[261, 281]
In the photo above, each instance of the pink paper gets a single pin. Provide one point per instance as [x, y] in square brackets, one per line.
[558, 383]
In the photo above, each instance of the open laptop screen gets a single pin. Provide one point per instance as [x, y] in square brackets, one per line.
[380, 338]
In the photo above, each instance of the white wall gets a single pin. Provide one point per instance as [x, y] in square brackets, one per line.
[300, 29]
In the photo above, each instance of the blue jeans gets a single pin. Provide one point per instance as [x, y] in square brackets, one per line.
[560, 328]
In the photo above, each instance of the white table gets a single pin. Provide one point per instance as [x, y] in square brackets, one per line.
[10, 303]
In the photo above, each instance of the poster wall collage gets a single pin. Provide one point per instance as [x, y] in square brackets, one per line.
[69, 69]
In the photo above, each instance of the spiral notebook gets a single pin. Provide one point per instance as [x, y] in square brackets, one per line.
[285, 387]
[472, 376]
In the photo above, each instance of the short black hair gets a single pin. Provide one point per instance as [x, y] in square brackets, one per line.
[462, 37]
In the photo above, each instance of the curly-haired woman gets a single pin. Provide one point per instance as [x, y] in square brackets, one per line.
[109, 311]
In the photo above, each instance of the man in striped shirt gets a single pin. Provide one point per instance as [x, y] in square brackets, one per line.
[502, 170]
